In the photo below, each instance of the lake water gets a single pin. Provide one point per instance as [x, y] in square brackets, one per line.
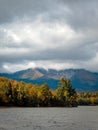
[80, 118]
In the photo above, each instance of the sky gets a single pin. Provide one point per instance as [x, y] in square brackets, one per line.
[58, 34]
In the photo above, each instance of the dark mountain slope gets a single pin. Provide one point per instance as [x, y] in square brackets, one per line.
[82, 80]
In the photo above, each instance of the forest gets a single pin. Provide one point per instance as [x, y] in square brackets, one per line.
[14, 93]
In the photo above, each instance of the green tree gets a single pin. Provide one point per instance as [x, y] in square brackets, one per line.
[65, 93]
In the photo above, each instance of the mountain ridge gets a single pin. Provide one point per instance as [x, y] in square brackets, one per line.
[82, 80]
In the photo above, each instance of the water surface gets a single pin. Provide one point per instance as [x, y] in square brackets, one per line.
[80, 118]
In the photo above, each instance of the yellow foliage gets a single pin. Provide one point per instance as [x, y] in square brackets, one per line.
[92, 100]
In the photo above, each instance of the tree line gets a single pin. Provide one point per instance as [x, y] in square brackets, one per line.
[13, 93]
[87, 98]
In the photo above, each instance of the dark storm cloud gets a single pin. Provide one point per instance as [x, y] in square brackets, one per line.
[11, 9]
[64, 31]
[78, 13]
[84, 14]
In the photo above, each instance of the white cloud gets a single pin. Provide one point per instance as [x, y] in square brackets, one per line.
[45, 64]
[49, 34]
[37, 33]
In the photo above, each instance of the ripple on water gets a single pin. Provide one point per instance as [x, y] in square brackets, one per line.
[81, 118]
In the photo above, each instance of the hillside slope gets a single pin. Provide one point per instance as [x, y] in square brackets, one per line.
[82, 80]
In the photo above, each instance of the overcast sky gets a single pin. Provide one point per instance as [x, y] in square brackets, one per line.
[48, 33]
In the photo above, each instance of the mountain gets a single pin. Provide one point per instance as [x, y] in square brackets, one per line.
[82, 80]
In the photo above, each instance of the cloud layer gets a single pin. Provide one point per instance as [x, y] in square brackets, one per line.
[50, 34]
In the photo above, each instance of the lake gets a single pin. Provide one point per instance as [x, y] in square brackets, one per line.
[80, 118]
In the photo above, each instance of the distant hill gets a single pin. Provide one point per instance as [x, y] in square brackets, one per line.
[82, 80]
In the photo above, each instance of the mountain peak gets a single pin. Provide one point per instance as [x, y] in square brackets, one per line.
[82, 80]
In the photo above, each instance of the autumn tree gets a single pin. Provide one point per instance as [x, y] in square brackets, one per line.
[65, 93]
[45, 95]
